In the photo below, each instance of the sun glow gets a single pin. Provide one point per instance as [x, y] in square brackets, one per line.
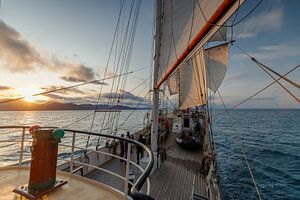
[28, 93]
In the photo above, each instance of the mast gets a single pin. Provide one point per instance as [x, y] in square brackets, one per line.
[154, 129]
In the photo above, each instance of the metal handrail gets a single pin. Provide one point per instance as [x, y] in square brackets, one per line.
[136, 186]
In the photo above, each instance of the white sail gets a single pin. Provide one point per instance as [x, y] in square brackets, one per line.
[220, 35]
[192, 89]
[216, 60]
[187, 25]
[173, 83]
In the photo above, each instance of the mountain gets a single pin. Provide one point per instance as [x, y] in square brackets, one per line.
[52, 105]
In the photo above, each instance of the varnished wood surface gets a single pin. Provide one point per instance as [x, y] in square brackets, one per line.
[77, 188]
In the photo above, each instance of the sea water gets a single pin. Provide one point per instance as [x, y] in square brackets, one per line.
[271, 140]
[83, 120]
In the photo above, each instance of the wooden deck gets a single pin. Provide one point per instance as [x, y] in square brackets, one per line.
[76, 188]
[172, 181]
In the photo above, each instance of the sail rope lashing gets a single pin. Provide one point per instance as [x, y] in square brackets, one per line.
[262, 66]
[68, 87]
[241, 148]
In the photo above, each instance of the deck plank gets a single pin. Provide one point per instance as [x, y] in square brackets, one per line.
[172, 181]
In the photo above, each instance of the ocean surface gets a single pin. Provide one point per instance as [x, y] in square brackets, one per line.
[271, 139]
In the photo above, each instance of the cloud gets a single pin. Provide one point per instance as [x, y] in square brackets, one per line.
[20, 56]
[265, 21]
[122, 95]
[78, 73]
[2, 87]
[68, 91]
[72, 99]
[17, 52]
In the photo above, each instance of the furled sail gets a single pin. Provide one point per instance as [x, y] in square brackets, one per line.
[216, 60]
[192, 89]
[187, 25]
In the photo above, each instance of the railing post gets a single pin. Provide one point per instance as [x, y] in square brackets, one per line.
[127, 169]
[22, 147]
[72, 153]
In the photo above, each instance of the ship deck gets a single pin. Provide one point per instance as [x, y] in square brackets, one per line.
[172, 181]
[76, 188]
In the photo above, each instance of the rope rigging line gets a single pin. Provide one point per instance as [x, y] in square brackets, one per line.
[122, 58]
[169, 100]
[233, 24]
[98, 142]
[80, 119]
[129, 54]
[108, 60]
[125, 61]
[264, 69]
[261, 90]
[268, 68]
[133, 110]
[241, 148]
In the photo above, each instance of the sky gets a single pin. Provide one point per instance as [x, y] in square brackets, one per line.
[48, 44]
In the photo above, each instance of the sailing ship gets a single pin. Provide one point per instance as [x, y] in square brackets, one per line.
[191, 57]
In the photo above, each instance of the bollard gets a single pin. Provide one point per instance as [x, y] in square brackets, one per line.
[44, 151]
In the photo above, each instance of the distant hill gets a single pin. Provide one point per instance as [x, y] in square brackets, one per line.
[52, 105]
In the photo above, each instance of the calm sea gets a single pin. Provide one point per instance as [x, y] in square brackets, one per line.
[271, 139]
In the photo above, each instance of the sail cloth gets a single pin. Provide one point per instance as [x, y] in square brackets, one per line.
[184, 26]
[192, 89]
[220, 35]
[216, 61]
[173, 83]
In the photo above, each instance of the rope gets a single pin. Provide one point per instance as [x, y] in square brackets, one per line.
[233, 24]
[242, 149]
[122, 62]
[169, 100]
[267, 86]
[262, 67]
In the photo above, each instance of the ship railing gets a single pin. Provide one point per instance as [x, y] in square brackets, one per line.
[72, 161]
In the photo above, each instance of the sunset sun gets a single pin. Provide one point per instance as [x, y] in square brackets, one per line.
[28, 93]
